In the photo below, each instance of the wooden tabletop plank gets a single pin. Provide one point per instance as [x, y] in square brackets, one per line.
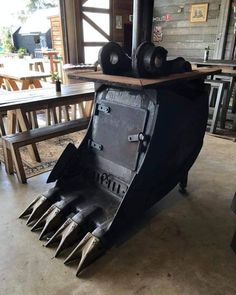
[139, 83]
[213, 62]
[46, 92]
[42, 97]
[22, 75]
[49, 52]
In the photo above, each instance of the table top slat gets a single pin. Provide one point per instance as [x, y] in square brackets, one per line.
[139, 83]
[22, 75]
[213, 62]
[45, 96]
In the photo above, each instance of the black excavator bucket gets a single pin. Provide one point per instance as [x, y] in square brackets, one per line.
[140, 143]
[139, 146]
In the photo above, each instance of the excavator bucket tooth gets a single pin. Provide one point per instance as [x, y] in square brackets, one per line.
[72, 233]
[55, 216]
[73, 229]
[58, 234]
[88, 250]
[39, 206]
[37, 202]
[67, 234]
[48, 221]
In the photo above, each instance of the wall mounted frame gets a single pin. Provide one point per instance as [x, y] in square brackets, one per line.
[198, 13]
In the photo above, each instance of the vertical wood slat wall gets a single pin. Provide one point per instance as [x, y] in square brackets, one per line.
[71, 24]
[122, 8]
[182, 37]
[230, 36]
[56, 35]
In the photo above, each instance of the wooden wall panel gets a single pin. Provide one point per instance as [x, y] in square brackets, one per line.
[72, 34]
[230, 35]
[56, 35]
[180, 36]
[122, 8]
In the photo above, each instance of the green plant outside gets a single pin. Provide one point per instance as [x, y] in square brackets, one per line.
[55, 76]
[21, 50]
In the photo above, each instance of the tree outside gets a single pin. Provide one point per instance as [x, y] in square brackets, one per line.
[33, 5]
[6, 41]
[14, 14]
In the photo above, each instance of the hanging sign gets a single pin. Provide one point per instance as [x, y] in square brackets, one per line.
[163, 18]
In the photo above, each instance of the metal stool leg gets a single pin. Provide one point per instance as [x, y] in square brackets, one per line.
[217, 108]
[225, 106]
[183, 184]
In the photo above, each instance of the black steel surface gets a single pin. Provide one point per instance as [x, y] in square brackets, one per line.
[139, 145]
[142, 23]
[121, 122]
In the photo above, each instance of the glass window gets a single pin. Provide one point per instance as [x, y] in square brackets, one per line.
[91, 54]
[92, 35]
[97, 4]
[100, 19]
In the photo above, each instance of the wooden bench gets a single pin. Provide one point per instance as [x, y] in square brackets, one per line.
[36, 64]
[13, 142]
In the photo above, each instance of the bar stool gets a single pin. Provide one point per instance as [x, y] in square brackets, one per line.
[231, 78]
[216, 101]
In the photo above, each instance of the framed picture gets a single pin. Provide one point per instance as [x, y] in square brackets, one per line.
[198, 13]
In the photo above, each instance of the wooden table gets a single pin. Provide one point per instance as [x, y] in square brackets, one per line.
[23, 102]
[199, 62]
[27, 79]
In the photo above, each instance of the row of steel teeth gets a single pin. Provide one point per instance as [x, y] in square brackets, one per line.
[66, 232]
